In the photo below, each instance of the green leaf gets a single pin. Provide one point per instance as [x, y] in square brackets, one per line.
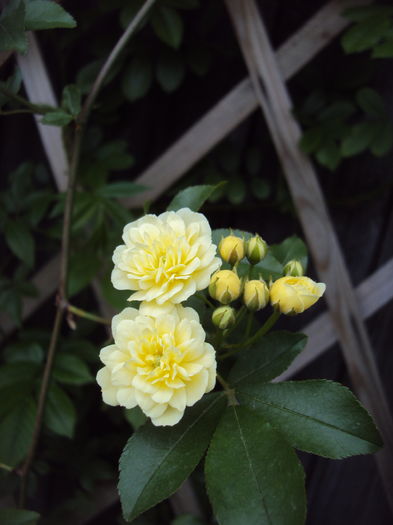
[20, 241]
[252, 475]
[365, 34]
[337, 111]
[71, 370]
[168, 26]
[135, 417]
[268, 358]
[260, 188]
[371, 102]
[11, 303]
[18, 517]
[384, 50]
[137, 78]
[16, 432]
[317, 416]
[360, 137]
[71, 99]
[128, 12]
[383, 139]
[83, 268]
[291, 248]
[269, 268]
[193, 197]
[170, 71]
[156, 461]
[24, 351]
[114, 156]
[56, 118]
[311, 140]
[12, 27]
[43, 14]
[236, 190]
[60, 413]
[120, 190]
[357, 14]
[329, 155]
[12, 84]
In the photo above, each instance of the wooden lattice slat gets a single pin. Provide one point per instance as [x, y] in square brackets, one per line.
[307, 196]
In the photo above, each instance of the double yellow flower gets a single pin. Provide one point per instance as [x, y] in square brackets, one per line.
[160, 360]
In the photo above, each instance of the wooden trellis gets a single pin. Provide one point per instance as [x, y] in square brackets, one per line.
[265, 88]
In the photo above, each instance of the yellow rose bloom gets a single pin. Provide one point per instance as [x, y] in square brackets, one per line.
[161, 363]
[165, 258]
[295, 294]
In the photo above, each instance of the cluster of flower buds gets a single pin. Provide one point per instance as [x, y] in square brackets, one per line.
[290, 294]
[226, 286]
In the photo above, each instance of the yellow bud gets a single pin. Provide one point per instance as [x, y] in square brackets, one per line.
[294, 268]
[225, 286]
[256, 295]
[224, 317]
[231, 249]
[293, 295]
[256, 249]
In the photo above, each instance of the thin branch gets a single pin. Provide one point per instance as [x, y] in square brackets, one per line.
[87, 315]
[36, 108]
[17, 112]
[65, 251]
[112, 57]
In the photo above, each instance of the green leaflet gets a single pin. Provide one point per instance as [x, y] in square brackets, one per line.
[268, 358]
[317, 416]
[193, 197]
[253, 476]
[156, 460]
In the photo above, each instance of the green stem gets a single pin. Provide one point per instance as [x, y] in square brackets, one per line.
[230, 392]
[271, 321]
[6, 467]
[249, 324]
[17, 112]
[35, 108]
[203, 298]
[239, 317]
[87, 315]
[65, 251]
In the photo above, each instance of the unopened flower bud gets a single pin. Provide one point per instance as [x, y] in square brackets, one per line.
[293, 295]
[294, 268]
[231, 249]
[256, 295]
[256, 249]
[224, 317]
[225, 286]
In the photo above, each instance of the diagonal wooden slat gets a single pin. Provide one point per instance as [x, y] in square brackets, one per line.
[276, 105]
[239, 103]
[39, 91]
